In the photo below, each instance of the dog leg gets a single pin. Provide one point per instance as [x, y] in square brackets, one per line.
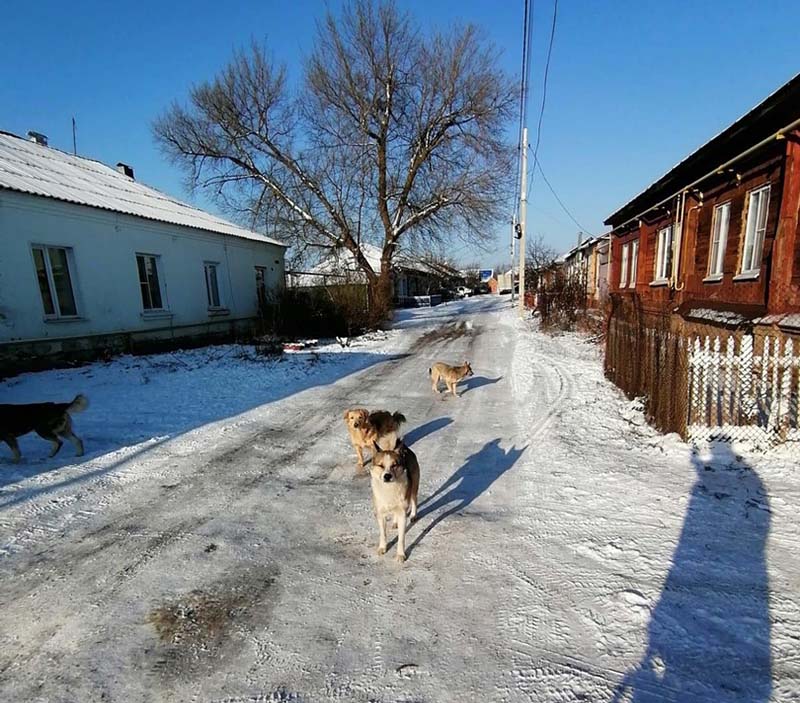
[51, 437]
[77, 442]
[360, 453]
[413, 513]
[382, 534]
[401, 536]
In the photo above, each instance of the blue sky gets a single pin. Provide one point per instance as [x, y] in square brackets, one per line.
[633, 86]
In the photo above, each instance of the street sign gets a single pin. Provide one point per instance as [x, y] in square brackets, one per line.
[486, 275]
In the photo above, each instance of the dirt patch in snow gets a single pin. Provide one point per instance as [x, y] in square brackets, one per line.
[205, 624]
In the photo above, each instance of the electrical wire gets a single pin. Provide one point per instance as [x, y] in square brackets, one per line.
[537, 164]
[544, 94]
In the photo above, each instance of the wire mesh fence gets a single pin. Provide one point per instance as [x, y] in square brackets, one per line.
[721, 384]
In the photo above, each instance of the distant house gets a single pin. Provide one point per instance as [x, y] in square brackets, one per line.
[412, 276]
[705, 280]
[94, 260]
[585, 265]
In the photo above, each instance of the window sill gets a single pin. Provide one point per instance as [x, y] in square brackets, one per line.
[747, 276]
[157, 315]
[218, 312]
[716, 278]
[62, 320]
[660, 282]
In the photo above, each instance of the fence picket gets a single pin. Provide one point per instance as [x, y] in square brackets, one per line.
[729, 387]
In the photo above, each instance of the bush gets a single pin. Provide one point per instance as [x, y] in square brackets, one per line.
[321, 311]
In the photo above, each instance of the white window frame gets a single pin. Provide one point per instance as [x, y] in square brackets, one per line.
[623, 272]
[665, 242]
[720, 226]
[208, 267]
[634, 263]
[161, 288]
[57, 313]
[754, 231]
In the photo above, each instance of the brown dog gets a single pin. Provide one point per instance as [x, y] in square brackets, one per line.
[49, 420]
[395, 485]
[451, 375]
[367, 429]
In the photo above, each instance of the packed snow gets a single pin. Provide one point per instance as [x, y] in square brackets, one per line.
[216, 543]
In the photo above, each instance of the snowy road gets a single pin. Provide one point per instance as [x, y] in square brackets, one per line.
[564, 550]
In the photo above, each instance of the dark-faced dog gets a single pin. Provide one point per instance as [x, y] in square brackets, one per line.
[395, 485]
[50, 421]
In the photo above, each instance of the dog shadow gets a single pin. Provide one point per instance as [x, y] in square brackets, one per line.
[428, 428]
[709, 632]
[474, 382]
[466, 484]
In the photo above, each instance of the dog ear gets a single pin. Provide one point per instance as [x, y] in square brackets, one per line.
[346, 413]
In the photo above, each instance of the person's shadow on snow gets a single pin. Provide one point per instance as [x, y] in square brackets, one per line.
[709, 633]
[468, 482]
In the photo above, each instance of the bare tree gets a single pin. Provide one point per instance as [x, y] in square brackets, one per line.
[539, 254]
[395, 135]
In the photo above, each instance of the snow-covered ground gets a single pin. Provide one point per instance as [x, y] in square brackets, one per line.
[216, 543]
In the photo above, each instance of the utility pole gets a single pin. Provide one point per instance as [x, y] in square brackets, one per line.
[523, 210]
[513, 237]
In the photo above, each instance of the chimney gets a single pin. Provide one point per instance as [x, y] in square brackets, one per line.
[37, 138]
[580, 238]
[124, 169]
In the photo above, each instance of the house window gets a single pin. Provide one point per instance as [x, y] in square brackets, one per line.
[212, 284]
[149, 281]
[757, 207]
[719, 239]
[664, 254]
[55, 281]
[623, 276]
[634, 259]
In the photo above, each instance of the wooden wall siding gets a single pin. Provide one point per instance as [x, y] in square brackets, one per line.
[784, 293]
[698, 235]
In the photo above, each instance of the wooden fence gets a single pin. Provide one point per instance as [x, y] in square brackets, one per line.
[729, 385]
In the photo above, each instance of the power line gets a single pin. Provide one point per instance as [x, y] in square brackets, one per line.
[544, 92]
[537, 164]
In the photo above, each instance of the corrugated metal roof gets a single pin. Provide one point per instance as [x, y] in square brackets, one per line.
[32, 168]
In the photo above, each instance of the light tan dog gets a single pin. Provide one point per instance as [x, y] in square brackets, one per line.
[395, 485]
[451, 375]
[366, 429]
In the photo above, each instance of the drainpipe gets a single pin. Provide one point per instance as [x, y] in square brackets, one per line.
[677, 241]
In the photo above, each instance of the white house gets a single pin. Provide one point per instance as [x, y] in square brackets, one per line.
[91, 259]
[412, 276]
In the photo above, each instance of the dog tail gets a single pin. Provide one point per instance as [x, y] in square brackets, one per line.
[79, 404]
[399, 418]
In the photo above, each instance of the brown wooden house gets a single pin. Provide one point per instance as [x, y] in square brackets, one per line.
[704, 318]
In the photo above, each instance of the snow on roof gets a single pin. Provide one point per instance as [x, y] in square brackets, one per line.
[32, 168]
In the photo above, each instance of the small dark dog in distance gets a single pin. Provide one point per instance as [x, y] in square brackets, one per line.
[51, 421]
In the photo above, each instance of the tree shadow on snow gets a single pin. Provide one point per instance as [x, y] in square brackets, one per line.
[155, 399]
[709, 633]
[428, 428]
[474, 382]
[468, 482]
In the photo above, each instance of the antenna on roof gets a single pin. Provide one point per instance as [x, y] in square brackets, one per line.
[74, 139]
